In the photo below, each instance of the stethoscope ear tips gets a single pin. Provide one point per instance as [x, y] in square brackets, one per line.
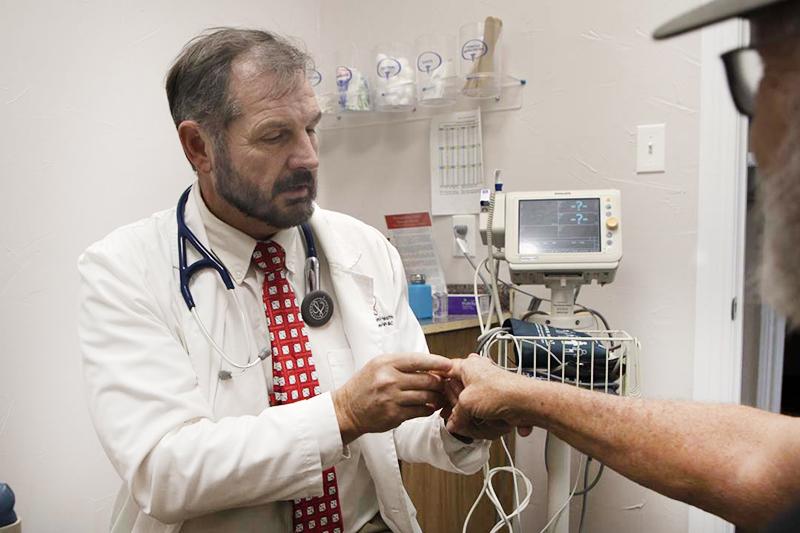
[224, 375]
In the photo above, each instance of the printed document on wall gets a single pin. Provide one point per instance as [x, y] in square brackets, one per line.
[456, 163]
[412, 235]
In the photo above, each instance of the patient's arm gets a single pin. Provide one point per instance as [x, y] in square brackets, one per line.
[740, 463]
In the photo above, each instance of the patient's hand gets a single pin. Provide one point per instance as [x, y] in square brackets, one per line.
[469, 426]
[482, 400]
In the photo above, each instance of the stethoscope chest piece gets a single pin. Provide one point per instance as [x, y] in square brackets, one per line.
[317, 308]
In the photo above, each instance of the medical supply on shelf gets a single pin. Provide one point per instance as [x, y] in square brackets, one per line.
[440, 305]
[464, 304]
[437, 80]
[420, 297]
[324, 90]
[395, 77]
[353, 89]
[480, 47]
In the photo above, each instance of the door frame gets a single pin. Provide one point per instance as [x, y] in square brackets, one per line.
[721, 216]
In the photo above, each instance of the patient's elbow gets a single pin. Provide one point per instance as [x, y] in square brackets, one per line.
[756, 497]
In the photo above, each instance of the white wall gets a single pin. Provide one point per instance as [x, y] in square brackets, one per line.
[86, 145]
[593, 75]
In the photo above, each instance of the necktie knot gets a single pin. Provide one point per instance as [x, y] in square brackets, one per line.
[269, 256]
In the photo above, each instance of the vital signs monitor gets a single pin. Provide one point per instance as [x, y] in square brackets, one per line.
[547, 235]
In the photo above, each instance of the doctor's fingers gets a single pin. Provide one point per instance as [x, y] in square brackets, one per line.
[418, 397]
[421, 362]
[419, 381]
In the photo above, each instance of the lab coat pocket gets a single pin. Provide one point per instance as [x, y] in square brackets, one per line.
[403, 341]
[341, 365]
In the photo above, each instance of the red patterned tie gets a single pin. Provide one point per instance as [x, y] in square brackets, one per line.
[294, 378]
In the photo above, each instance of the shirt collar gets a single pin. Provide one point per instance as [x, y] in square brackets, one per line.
[235, 248]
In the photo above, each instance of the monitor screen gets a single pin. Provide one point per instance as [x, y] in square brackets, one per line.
[557, 226]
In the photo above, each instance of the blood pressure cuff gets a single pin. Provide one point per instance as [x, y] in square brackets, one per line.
[570, 353]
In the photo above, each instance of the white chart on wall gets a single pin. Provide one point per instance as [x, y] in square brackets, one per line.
[457, 176]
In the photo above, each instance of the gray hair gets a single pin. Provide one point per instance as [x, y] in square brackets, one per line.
[198, 81]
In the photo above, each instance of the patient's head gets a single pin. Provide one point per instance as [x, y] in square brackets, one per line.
[776, 143]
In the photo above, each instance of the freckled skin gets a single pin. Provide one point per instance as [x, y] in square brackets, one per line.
[740, 463]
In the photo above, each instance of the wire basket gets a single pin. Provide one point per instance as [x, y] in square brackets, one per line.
[598, 360]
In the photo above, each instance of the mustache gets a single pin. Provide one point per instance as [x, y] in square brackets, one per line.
[298, 178]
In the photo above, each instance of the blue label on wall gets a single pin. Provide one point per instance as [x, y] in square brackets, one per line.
[473, 49]
[343, 77]
[314, 77]
[429, 61]
[388, 68]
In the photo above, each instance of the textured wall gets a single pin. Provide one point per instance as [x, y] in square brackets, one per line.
[87, 144]
[593, 75]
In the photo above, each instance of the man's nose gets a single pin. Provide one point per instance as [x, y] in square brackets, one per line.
[304, 154]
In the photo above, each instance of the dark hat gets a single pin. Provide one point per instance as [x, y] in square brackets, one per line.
[710, 13]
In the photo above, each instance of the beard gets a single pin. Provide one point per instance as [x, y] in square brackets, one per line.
[253, 202]
[779, 191]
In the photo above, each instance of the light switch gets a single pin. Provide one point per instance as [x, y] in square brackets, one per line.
[651, 148]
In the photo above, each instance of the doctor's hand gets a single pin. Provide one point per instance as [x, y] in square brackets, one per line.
[389, 390]
[485, 402]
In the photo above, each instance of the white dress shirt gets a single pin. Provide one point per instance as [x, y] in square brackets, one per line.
[197, 451]
[330, 349]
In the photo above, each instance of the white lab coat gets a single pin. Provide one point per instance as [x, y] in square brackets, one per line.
[187, 444]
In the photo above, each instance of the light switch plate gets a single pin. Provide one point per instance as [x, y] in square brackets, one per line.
[651, 148]
[470, 221]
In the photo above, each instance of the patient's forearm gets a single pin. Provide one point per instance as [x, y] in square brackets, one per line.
[740, 463]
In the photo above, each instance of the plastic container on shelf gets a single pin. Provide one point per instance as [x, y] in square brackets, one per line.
[440, 305]
[394, 76]
[352, 86]
[324, 89]
[480, 50]
[437, 79]
[420, 297]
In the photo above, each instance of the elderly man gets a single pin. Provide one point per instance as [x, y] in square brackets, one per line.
[739, 463]
[223, 402]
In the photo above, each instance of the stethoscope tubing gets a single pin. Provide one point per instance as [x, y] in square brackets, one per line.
[209, 260]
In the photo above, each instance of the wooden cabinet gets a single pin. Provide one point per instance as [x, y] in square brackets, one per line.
[443, 499]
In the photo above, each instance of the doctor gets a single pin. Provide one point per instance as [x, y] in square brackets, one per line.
[247, 413]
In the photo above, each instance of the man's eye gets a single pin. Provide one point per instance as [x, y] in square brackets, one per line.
[312, 131]
[274, 138]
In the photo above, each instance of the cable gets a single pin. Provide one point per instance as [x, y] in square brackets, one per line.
[495, 298]
[505, 520]
[489, 491]
[594, 482]
[585, 501]
[564, 505]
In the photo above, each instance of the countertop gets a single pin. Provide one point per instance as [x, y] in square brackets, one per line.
[451, 323]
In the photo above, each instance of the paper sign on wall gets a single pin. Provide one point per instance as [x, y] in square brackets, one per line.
[456, 147]
[411, 234]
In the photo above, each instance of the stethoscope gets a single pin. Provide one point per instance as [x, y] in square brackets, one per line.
[316, 307]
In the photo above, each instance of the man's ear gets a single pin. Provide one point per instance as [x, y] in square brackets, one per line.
[196, 146]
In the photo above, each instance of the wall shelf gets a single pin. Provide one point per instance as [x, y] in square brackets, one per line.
[510, 99]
